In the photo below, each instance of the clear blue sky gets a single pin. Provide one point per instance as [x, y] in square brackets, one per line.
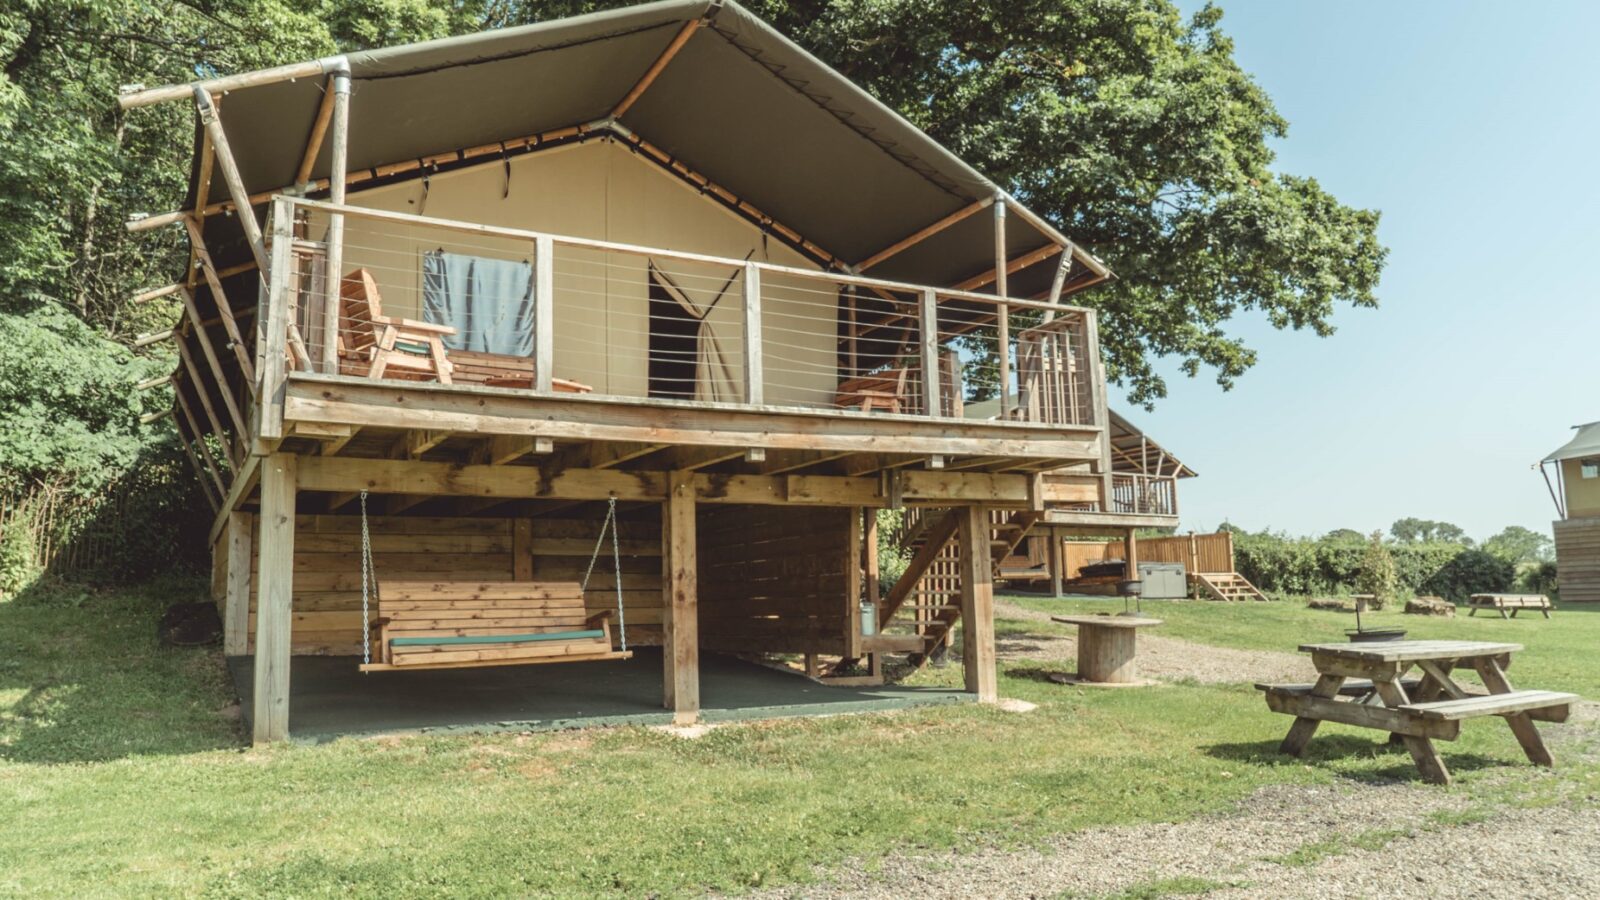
[1475, 128]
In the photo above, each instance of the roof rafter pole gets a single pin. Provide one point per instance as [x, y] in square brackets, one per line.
[1002, 315]
[1016, 265]
[202, 257]
[291, 72]
[650, 74]
[230, 175]
[202, 193]
[924, 233]
[333, 278]
[205, 451]
[319, 130]
[193, 314]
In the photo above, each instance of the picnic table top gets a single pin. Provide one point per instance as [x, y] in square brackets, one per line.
[1528, 598]
[1410, 651]
[1107, 621]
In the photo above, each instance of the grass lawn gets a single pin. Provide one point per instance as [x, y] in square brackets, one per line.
[123, 771]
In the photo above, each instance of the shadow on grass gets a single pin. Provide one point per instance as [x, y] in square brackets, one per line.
[1041, 675]
[83, 678]
[1334, 748]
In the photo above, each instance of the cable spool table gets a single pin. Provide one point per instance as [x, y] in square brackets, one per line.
[1107, 648]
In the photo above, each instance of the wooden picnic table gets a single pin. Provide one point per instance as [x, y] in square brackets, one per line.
[1511, 602]
[1365, 684]
[1107, 648]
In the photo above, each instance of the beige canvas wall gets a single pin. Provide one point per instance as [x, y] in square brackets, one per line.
[1583, 494]
[601, 190]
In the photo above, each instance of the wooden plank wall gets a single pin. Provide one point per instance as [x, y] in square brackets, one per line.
[327, 562]
[1198, 552]
[772, 579]
[1578, 560]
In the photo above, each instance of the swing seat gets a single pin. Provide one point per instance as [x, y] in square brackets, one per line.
[457, 625]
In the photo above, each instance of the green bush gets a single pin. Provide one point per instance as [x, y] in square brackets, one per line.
[1472, 572]
[1377, 575]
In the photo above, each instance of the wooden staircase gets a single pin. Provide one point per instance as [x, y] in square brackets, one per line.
[920, 611]
[1225, 586]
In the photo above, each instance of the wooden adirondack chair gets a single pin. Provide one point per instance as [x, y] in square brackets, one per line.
[882, 390]
[379, 346]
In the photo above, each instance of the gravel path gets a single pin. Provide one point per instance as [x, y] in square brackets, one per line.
[1164, 658]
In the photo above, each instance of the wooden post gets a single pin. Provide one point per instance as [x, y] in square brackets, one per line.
[235, 549]
[754, 374]
[230, 175]
[930, 353]
[544, 314]
[680, 652]
[275, 587]
[1054, 561]
[269, 424]
[977, 604]
[854, 539]
[1130, 554]
[869, 550]
[1002, 312]
[333, 277]
[522, 549]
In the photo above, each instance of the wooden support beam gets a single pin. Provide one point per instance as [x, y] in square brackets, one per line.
[212, 123]
[650, 74]
[855, 537]
[929, 333]
[680, 602]
[142, 96]
[419, 442]
[275, 587]
[209, 351]
[501, 449]
[924, 233]
[977, 604]
[205, 450]
[157, 293]
[1054, 560]
[205, 400]
[236, 547]
[244, 481]
[202, 258]
[194, 462]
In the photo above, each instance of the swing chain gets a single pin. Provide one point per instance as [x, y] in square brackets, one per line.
[616, 561]
[366, 578]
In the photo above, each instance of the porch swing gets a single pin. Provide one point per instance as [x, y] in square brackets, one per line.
[459, 625]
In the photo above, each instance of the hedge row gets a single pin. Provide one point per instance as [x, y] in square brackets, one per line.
[1303, 566]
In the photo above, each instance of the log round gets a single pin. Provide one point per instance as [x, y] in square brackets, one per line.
[1107, 647]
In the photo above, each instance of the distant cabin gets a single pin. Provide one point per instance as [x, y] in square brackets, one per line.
[1572, 474]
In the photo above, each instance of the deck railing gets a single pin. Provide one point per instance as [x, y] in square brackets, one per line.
[1139, 494]
[553, 313]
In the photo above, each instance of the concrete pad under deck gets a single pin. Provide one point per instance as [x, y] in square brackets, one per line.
[329, 697]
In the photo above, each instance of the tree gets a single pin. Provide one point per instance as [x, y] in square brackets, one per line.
[1344, 534]
[1516, 544]
[1377, 575]
[1420, 531]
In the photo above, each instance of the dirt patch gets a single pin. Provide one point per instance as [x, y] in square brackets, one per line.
[1168, 659]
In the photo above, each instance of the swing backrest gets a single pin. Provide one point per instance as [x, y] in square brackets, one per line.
[444, 609]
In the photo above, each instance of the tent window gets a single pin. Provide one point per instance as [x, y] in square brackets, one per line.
[1589, 468]
[489, 302]
[674, 345]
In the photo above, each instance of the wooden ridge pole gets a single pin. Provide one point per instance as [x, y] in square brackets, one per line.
[132, 99]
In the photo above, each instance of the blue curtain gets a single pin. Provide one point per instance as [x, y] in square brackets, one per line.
[489, 302]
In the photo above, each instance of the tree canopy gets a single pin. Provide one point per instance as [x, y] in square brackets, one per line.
[1131, 126]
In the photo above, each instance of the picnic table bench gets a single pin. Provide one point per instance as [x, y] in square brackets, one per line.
[1365, 685]
[1509, 602]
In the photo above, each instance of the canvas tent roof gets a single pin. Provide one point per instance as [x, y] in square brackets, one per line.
[739, 103]
[1585, 443]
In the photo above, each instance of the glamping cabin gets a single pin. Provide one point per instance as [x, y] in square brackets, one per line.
[1572, 475]
[550, 344]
